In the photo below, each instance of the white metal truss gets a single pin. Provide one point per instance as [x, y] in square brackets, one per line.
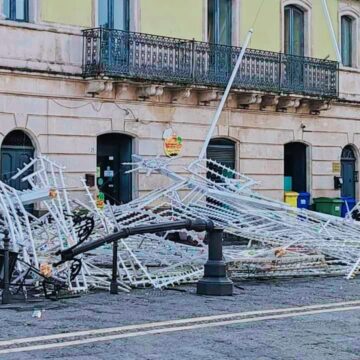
[281, 240]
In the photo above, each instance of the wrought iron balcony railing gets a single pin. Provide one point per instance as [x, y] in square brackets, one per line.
[116, 53]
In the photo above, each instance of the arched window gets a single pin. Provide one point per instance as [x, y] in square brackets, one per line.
[346, 40]
[294, 30]
[219, 21]
[114, 14]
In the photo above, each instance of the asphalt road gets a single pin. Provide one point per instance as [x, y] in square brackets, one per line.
[273, 332]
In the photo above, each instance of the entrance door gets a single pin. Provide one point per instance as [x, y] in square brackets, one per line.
[348, 172]
[13, 159]
[112, 151]
[295, 165]
[223, 152]
[16, 150]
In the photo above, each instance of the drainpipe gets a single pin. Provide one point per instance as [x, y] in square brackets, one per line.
[331, 30]
[225, 96]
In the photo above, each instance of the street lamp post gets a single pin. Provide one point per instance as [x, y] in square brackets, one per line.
[215, 281]
[6, 294]
[114, 284]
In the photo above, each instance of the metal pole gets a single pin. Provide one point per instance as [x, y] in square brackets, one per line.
[196, 225]
[225, 96]
[6, 295]
[114, 284]
[193, 63]
[215, 281]
[331, 30]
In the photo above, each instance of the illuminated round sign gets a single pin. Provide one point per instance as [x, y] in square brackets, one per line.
[173, 145]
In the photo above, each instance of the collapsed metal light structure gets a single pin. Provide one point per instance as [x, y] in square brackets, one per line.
[280, 240]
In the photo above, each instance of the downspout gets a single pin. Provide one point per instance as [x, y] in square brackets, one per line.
[331, 30]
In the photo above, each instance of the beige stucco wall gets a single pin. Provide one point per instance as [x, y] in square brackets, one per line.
[65, 123]
[321, 40]
[267, 28]
[175, 18]
[69, 12]
[268, 25]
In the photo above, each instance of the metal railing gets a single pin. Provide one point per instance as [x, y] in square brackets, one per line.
[116, 53]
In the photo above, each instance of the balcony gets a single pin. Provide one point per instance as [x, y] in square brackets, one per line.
[119, 54]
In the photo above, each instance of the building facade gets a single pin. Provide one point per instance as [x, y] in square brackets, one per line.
[90, 82]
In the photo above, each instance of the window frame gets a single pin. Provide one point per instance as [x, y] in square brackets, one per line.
[235, 22]
[12, 11]
[355, 16]
[349, 22]
[293, 11]
[216, 21]
[110, 15]
[306, 7]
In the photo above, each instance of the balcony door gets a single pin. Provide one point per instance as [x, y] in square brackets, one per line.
[219, 32]
[114, 14]
[294, 47]
[219, 21]
[294, 31]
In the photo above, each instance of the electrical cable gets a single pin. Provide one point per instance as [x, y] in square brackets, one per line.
[257, 14]
[70, 107]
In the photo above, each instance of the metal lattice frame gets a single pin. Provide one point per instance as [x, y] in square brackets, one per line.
[282, 241]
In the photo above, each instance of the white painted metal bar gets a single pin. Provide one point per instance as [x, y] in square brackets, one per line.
[225, 96]
[331, 30]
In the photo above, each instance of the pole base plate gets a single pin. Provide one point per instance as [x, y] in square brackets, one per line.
[114, 289]
[215, 287]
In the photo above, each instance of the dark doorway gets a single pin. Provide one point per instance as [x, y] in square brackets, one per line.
[295, 165]
[16, 150]
[112, 151]
[222, 151]
[348, 172]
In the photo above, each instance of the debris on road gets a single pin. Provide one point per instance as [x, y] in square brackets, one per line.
[281, 240]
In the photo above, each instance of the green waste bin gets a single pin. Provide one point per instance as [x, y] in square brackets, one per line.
[331, 206]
